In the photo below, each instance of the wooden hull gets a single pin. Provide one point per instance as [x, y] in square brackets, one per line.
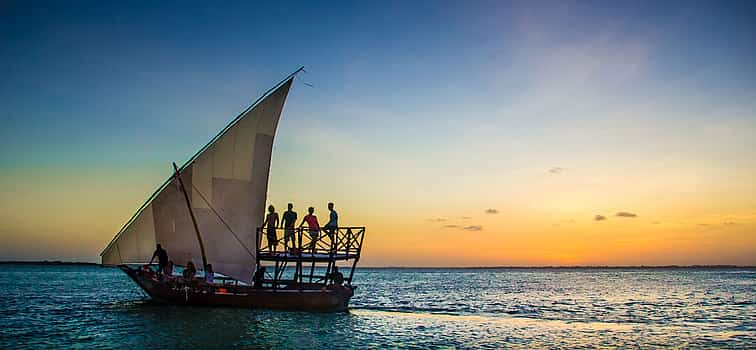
[176, 291]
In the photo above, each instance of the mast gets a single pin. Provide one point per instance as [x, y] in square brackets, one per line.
[191, 214]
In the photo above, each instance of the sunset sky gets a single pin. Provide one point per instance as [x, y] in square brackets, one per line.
[462, 133]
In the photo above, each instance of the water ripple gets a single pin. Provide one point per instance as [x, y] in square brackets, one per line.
[91, 307]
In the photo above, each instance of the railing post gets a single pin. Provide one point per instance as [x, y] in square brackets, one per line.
[361, 235]
[349, 240]
[257, 249]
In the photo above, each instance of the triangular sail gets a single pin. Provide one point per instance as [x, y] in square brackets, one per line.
[227, 182]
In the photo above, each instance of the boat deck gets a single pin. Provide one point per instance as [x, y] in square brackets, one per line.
[311, 254]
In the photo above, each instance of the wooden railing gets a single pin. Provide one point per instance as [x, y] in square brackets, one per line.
[334, 241]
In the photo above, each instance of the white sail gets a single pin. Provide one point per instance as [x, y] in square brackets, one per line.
[227, 182]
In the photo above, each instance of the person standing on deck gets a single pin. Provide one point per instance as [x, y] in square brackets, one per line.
[271, 222]
[287, 223]
[169, 269]
[259, 277]
[162, 256]
[333, 221]
[312, 226]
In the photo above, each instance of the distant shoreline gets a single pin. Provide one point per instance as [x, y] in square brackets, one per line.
[64, 263]
[47, 262]
[566, 267]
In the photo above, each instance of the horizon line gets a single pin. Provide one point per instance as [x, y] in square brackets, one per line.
[61, 262]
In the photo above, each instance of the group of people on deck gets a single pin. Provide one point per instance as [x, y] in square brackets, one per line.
[271, 223]
[288, 223]
[165, 267]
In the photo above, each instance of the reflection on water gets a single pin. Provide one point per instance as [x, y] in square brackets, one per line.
[91, 307]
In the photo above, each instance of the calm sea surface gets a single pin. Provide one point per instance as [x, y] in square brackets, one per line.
[92, 307]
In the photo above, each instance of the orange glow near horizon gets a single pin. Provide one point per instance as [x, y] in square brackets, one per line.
[419, 219]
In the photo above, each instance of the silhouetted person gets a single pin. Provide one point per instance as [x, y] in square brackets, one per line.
[288, 222]
[257, 279]
[169, 269]
[271, 222]
[333, 221]
[209, 274]
[336, 276]
[312, 226]
[162, 256]
[189, 271]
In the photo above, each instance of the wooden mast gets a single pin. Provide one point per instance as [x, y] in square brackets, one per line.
[191, 214]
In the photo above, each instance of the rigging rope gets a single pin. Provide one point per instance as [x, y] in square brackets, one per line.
[223, 221]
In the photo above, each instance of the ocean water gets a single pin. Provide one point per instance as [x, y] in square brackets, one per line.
[91, 307]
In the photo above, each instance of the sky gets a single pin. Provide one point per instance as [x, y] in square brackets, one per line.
[462, 133]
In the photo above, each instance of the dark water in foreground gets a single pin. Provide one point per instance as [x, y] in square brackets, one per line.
[91, 307]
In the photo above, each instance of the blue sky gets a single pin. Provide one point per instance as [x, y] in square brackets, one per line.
[99, 72]
[442, 107]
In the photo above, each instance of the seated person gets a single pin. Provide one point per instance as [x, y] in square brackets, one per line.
[169, 269]
[336, 277]
[257, 279]
[147, 272]
[209, 274]
[189, 271]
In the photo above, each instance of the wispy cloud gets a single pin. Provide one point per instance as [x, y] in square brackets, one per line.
[437, 219]
[466, 228]
[491, 211]
[624, 214]
[556, 170]
[465, 218]
[729, 223]
[599, 218]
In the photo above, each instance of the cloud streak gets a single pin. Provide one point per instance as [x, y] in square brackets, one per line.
[556, 170]
[470, 228]
[624, 214]
[599, 218]
[491, 211]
